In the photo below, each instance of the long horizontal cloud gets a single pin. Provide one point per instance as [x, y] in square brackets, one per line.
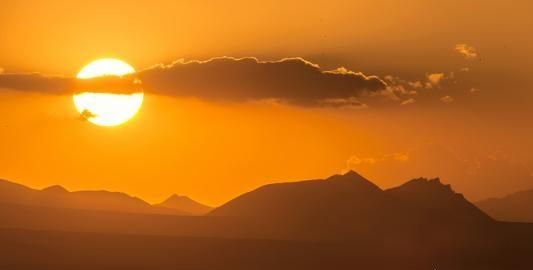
[37, 82]
[292, 80]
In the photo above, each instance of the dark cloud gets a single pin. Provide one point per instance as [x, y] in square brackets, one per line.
[86, 114]
[37, 82]
[107, 84]
[293, 80]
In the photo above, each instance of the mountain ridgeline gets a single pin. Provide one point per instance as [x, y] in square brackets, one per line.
[99, 200]
[186, 204]
[342, 222]
[350, 206]
[351, 196]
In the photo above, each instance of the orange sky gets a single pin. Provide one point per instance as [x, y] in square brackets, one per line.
[58, 36]
[214, 150]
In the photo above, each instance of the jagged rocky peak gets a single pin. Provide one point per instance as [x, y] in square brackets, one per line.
[427, 184]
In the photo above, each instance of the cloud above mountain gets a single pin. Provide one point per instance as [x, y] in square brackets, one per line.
[292, 80]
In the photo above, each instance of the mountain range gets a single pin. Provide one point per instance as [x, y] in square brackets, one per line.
[58, 197]
[349, 206]
[351, 196]
[341, 222]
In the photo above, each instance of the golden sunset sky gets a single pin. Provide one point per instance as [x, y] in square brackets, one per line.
[445, 90]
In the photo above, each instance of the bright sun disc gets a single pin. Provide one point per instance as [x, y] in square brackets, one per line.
[107, 109]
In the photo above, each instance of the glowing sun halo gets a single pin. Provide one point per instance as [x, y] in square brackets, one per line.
[107, 109]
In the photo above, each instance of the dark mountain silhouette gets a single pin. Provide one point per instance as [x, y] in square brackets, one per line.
[57, 196]
[516, 207]
[433, 201]
[185, 204]
[339, 195]
[349, 206]
[342, 222]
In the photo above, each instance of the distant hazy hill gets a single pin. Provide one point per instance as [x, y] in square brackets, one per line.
[59, 197]
[516, 207]
[185, 204]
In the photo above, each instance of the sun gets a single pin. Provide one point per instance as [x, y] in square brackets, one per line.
[107, 109]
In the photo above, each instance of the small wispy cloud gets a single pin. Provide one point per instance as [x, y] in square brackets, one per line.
[355, 162]
[86, 114]
[447, 99]
[467, 51]
[408, 101]
[434, 79]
